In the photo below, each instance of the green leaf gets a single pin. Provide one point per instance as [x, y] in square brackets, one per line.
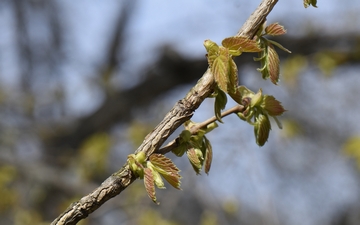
[212, 49]
[236, 96]
[135, 166]
[149, 184]
[220, 69]
[262, 129]
[167, 169]
[140, 157]
[157, 178]
[211, 46]
[196, 139]
[233, 75]
[245, 92]
[307, 3]
[208, 155]
[194, 160]
[256, 99]
[272, 106]
[275, 29]
[236, 45]
[220, 103]
[181, 149]
[185, 136]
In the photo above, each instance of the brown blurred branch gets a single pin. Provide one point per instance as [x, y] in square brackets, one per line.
[181, 112]
[175, 70]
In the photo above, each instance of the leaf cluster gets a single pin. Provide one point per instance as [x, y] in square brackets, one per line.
[258, 106]
[268, 57]
[258, 109]
[153, 170]
[197, 147]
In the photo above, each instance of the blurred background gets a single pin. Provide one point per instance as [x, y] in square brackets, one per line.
[83, 82]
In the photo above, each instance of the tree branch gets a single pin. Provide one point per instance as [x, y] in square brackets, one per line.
[181, 112]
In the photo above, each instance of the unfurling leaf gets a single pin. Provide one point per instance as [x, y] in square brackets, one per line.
[270, 63]
[211, 46]
[273, 64]
[135, 166]
[272, 106]
[236, 45]
[166, 168]
[194, 160]
[236, 96]
[233, 76]
[208, 155]
[212, 51]
[181, 149]
[307, 3]
[156, 175]
[185, 136]
[220, 103]
[140, 157]
[220, 69]
[245, 92]
[275, 29]
[149, 184]
[262, 129]
[256, 99]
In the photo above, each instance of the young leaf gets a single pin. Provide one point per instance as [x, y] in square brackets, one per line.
[307, 3]
[233, 76]
[220, 69]
[263, 58]
[270, 63]
[185, 136]
[181, 149]
[194, 160]
[273, 63]
[211, 46]
[140, 157]
[208, 155]
[272, 106]
[256, 99]
[212, 51]
[275, 29]
[245, 92]
[220, 103]
[173, 180]
[135, 166]
[149, 184]
[236, 45]
[163, 164]
[236, 96]
[262, 129]
[167, 169]
[157, 178]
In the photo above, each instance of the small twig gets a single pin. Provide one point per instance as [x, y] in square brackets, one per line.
[175, 143]
[235, 109]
